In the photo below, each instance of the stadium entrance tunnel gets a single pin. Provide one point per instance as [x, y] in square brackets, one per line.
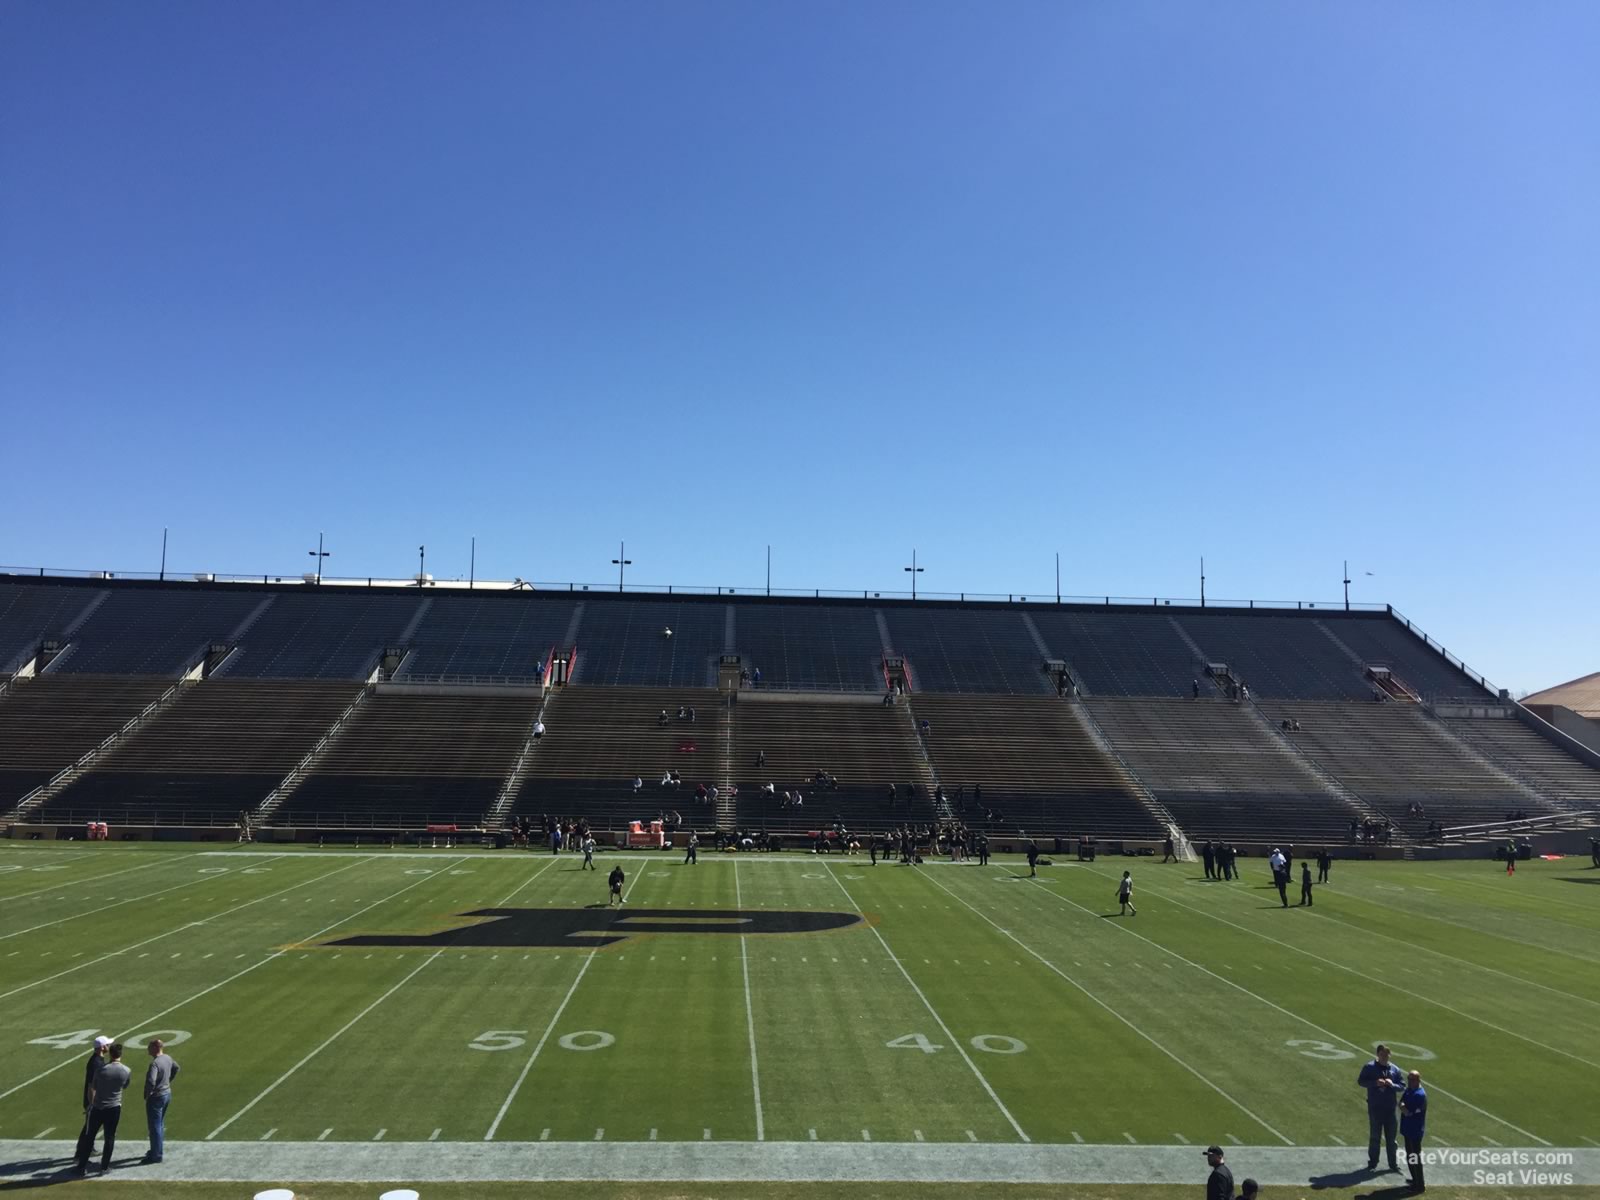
[501, 928]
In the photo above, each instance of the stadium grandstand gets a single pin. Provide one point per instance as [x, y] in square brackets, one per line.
[332, 709]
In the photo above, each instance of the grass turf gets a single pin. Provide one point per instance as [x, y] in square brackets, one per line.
[974, 1005]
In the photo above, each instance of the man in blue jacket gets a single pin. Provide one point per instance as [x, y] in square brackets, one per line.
[1413, 1121]
[1384, 1083]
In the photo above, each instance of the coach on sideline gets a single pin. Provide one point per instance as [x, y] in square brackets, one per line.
[1384, 1083]
[1219, 1184]
[157, 1095]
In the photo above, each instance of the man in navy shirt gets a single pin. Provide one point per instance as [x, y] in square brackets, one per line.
[1413, 1121]
[1384, 1083]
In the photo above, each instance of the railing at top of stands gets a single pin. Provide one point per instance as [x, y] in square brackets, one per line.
[483, 681]
[671, 589]
[1445, 654]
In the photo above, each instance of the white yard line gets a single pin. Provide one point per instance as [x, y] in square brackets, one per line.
[176, 929]
[273, 957]
[550, 1028]
[106, 907]
[1412, 992]
[749, 1013]
[75, 884]
[348, 1025]
[1288, 1013]
[1147, 1037]
[926, 1003]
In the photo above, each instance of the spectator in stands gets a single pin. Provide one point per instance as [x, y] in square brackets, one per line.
[683, 712]
[538, 730]
[691, 714]
[667, 632]
[1244, 692]
[662, 719]
[757, 677]
[923, 727]
[700, 793]
[761, 758]
[711, 794]
[1194, 688]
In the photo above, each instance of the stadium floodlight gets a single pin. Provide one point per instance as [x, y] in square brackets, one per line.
[915, 571]
[622, 562]
[319, 554]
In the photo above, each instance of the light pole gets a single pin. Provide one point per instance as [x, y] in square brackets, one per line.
[622, 562]
[319, 554]
[914, 571]
[769, 570]
[422, 560]
[163, 552]
[1347, 585]
[1202, 581]
[472, 566]
[1058, 577]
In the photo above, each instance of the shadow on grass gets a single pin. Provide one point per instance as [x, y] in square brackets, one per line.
[1347, 1179]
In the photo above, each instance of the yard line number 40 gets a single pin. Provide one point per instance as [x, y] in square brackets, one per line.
[595, 1039]
[83, 1037]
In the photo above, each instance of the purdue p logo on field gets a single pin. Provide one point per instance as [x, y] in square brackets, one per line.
[502, 927]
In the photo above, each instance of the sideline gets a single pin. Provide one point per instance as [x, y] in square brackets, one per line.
[771, 1161]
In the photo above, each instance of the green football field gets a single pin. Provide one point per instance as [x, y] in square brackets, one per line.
[339, 1015]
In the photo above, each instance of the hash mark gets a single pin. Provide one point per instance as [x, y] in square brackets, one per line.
[44, 1133]
[323, 1136]
[866, 1134]
[1181, 1138]
[1234, 1140]
[917, 1133]
[971, 1137]
[1338, 1141]
[1132, 1141]
[705, 1135]
[1490, 1140]
[434, 1136]
[267, 1136]
[652, 1135]
[1077, 1137]
[545, 1136]
[378, 1137]
[599, 1135]
[811, 1132]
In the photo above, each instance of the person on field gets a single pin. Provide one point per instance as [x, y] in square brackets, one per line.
[983, 849]
[1305, 885]
[97, 1059]
[1280, 875]
[1383, 1083]
[158, 1079]
[615, 880]
[1511, 856]
[1166, 851]
[1324, 865]
[1125, 895]
[1208, 856]
[689, 855]
[1033, 858]
[1413, 1123]
[105, 1108]
[1219, 1184]
[588, 853]
[1249, 1190]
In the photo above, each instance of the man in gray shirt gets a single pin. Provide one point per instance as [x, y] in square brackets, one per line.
[157, 1095]
[105, 1108]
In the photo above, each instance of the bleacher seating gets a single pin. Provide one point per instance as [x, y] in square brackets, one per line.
[49, 723]
[1039, 769]
[967, 650]
[321, 636]
[215, 749]
[1382, 641]
[154, 631]
[1533, 758]
[1393, 754]
[598, 739]
[865, 745]
[622, 643]
[33, 613]
[410, 760]
[491, 635]
[1220, 773]
[1121, 653]
[836, 647]
[1278, 657]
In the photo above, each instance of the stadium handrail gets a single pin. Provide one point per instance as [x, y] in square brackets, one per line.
[647, 590]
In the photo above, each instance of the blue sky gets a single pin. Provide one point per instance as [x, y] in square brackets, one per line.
[1279, 284]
